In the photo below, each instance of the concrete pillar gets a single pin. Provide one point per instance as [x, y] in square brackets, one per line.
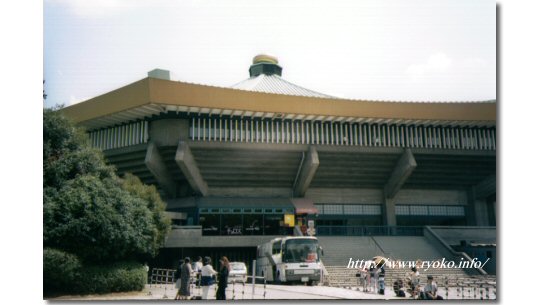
[185, 160]
[403, 169]
[307, 172]
[156, 166]
[477, 209]
[389, 211]
[168, 132]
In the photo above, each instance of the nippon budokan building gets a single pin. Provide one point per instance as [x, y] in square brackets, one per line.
[239, 166]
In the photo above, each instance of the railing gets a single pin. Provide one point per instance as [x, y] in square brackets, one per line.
[434, 237]
[369, 231]
[120, 136]
[239, 129]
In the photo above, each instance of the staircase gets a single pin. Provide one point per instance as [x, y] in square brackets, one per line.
[338, 251]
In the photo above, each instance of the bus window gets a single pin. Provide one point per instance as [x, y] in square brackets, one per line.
[276, 247]
[301, 250]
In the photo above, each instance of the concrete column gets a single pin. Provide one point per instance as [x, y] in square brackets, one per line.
[168, 132]
[477, 209]
[156, 166]
[188, 166]
[307, 172]
[403, 169]
[486, 187]
[389, 211]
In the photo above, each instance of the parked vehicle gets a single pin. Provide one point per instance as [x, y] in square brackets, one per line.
[290, 259]
[238, 272]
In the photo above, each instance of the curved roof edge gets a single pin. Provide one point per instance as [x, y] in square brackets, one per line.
[152, 91]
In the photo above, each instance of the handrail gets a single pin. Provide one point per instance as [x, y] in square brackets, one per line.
[378, 246]
[452, 251]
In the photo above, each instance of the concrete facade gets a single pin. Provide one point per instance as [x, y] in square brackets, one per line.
[230, 162]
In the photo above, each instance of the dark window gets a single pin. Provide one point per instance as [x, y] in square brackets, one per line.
[210, 224]
[253, 224]
[232, 224]
[272, 224]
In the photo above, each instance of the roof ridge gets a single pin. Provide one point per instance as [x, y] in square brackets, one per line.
[277, 85]
[295, 85]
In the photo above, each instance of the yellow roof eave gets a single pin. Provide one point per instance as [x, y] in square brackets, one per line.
[164, 92]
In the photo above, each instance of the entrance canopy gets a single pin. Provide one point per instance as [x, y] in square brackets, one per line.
[304, 206]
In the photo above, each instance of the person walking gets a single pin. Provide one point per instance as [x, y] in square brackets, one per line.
[207, 279]
[186, 271]
[224, 271]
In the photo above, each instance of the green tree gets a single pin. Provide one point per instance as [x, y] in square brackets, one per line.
[155, 204]
[89, 211]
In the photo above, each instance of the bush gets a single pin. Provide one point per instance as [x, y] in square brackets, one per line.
[87, 209]
[63, 273]
[98, 221]
[116, 277]
[60, 270]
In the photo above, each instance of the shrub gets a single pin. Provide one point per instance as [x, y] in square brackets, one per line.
[87, 209]
[60, 270]
[116, 277]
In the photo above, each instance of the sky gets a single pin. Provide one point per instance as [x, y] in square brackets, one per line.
[412, 50]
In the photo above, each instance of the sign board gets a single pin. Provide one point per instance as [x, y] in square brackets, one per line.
[289, 220]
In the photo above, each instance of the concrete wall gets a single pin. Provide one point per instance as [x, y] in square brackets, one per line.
[183, 238]
[441, 197]
[344, 195]
[454, 235]
[375, 196]
[168, 132]
[250, 192]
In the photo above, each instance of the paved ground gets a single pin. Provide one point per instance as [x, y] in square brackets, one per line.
[271, 292]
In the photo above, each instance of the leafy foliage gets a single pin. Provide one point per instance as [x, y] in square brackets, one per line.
[89, 211]
[64, 273]
[60, 270]
[155, 204]
[115, 277]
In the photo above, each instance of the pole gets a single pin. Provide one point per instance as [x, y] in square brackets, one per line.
[253, 277]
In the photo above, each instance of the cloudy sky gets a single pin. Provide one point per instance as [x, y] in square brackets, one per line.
[412, 50]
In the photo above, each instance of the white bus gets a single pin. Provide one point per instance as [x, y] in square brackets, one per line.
[290, 259]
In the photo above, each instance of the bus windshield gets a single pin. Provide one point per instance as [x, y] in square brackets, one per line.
[300, 251]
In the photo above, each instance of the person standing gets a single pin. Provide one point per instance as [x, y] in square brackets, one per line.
[223, 278]
[198, 270]
[146, 267]
[207, 277]
[177, 278]
[414, 282]
[186, 271]
[381, 279]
